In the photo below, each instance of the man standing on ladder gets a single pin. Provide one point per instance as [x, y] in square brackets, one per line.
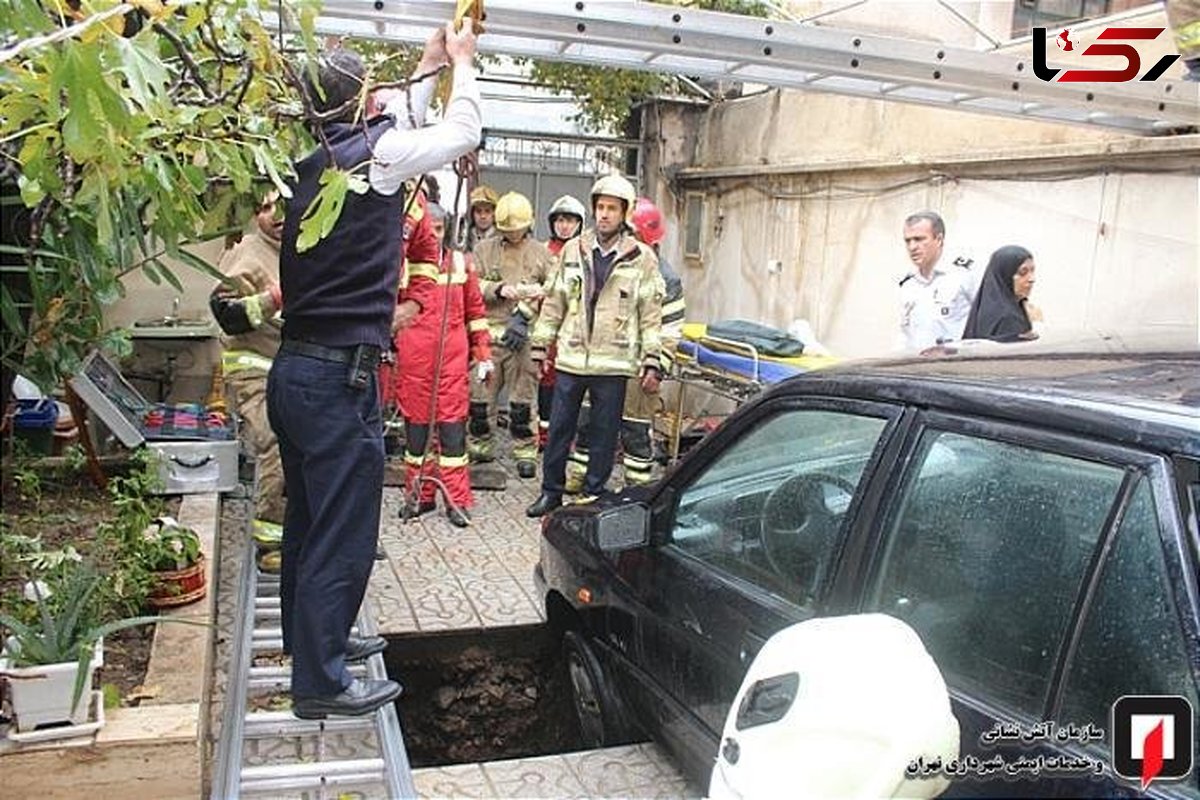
[435, 349]
[603, 309]
[322, 392]
[513, 267]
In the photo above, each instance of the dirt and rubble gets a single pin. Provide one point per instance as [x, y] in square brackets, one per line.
[503, 696]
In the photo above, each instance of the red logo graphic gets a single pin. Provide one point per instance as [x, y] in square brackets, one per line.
[1152, 738]
[1152, 755]
[1113, 44]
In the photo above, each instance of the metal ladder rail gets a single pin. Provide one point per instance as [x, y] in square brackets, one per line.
[669, 39]
[258, 603]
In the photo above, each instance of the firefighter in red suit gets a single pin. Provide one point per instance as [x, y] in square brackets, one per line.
[448, 333]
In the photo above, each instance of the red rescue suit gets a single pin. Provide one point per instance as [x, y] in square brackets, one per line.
[421, 246]
[451, 326]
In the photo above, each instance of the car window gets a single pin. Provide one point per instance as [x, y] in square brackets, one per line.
[1132, 640]
[984, 557]
[770, 507]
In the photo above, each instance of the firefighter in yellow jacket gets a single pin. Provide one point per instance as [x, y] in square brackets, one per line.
[512, 268]
[246, 306]
[603, 310]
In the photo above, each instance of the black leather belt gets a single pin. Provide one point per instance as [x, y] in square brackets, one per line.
[369, 354]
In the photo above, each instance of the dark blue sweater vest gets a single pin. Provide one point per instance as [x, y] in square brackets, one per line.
[342, 291]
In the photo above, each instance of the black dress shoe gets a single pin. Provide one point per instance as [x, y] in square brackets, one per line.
[526, 469]
[362, 696]
[412, 512]
[459, 517]
[543, 505]
[362, 648]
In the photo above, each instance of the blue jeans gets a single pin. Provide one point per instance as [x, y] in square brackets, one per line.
[331, 444]
[607, 395]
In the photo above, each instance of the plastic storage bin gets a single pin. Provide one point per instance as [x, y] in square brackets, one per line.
[33, 424]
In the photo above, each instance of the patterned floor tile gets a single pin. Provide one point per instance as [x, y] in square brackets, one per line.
[464, 780]
[632, 771]
[550, 776]
[440, 605]
[500, 601]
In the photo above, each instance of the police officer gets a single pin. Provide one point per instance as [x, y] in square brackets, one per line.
[322, 391]
[512, 267]
[603, 309]
[935, 297]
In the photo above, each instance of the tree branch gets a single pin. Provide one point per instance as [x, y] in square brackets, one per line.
[186, 57]
[64, 33]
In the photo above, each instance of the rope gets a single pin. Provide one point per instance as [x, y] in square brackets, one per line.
[464, 167]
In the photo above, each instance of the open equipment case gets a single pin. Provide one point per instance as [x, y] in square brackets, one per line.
[193, 456]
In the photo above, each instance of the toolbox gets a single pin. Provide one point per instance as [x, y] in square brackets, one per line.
[196, 451]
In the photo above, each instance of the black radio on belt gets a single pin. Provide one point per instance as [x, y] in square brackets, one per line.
[363, 360]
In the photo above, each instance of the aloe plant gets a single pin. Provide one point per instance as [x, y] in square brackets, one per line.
[63, 631]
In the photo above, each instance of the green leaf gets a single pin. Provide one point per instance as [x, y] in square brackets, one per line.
[149, 269]
[31, 191]
[266, 164]
[143, 71]
[169, 275]
[196, 262]
[320, 217]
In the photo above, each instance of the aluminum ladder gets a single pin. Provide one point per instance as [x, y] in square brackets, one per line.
[312, 772]
[685, 41]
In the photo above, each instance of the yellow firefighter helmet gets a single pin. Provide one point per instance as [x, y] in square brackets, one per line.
[513, 212]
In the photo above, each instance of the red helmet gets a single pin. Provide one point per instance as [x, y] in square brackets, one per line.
[648, 222]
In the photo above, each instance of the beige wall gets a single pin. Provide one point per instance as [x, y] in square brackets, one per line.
[191, 361]
[822, 185]
[1114, 252]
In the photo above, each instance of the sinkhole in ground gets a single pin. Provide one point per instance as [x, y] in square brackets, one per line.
[483, 695]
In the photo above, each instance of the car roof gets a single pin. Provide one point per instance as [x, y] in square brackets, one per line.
[1144, 399]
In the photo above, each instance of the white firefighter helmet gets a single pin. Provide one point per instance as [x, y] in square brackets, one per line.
[566, 205]
[615, 186]
[839, 707]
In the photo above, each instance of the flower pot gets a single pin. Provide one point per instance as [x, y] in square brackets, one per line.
[42, 695]
[178, 587]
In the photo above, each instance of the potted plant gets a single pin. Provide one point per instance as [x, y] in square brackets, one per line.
[49, 662]
[172, 553]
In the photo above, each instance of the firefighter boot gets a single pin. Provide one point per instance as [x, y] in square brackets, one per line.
[479, 434]
[524, 440]
[576, 471]
[638, 451]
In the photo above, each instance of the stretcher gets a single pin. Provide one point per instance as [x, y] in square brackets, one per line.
[728, 368]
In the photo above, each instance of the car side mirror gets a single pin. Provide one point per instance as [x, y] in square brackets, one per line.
[622, 527]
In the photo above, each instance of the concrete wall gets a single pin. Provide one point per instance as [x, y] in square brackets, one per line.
[191, 361]
[822, 184]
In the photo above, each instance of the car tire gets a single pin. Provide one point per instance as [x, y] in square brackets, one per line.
[595, 708]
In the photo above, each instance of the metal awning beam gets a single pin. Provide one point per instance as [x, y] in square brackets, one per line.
[669, 39]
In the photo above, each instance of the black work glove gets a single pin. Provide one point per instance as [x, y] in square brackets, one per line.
[516, 333]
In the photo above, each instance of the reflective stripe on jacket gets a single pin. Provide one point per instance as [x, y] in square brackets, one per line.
[625, 333]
